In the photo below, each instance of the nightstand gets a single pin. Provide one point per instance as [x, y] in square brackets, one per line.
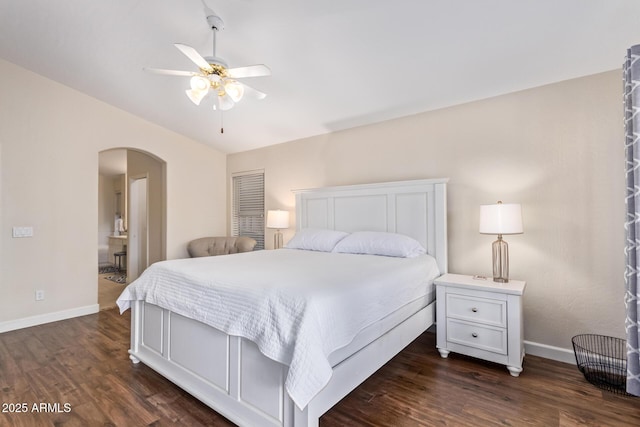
[480, 318]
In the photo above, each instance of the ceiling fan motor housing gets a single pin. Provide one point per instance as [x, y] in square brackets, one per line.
[214, 60]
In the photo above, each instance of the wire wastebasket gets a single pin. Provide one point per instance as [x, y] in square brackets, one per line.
[602, 360]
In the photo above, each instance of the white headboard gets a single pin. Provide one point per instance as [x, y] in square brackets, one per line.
[415, 208]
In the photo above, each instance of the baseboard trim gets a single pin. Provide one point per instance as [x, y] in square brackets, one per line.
[533, 348]
[550, 352]
[26, 322]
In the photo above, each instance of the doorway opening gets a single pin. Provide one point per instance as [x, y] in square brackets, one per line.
[131, 218]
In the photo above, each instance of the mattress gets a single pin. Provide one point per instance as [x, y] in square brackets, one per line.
[299, 307]
[381, 327]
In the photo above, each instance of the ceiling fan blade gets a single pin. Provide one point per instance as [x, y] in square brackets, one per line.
[207, 9]
[170, 72]
[253, 93]
[193, 55]
[259, 70]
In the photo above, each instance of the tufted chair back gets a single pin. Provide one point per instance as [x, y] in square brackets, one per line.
[210, 246]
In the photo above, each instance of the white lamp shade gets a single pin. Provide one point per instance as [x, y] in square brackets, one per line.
[200, 83]
[278, 219]
[234, 89]
[501, 218]
[224, 101]
[195, 95]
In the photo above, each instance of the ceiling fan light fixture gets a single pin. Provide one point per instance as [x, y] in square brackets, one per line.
[196, 96]
[225, 102]
[200, 83]
[234, 89]
[214, 75]
[199, 89]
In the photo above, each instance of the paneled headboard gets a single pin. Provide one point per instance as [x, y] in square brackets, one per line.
[416, 208]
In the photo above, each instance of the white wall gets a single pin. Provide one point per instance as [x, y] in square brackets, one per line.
[50, 137]
[556, 149]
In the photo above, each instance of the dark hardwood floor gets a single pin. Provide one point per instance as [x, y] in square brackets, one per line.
[77, 373]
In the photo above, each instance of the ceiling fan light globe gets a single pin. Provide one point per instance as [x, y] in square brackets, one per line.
[200, 83]
[196, 96]
[234, 89]
[225, 102]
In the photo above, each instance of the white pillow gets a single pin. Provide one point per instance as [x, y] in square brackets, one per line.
[312, 239]
[380, 243]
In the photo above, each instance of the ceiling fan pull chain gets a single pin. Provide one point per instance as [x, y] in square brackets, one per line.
[221, 121]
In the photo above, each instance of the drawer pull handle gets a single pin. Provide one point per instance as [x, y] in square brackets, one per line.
[474, 334]
[475, 310]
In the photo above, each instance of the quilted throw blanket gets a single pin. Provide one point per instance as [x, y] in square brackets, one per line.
[297, 306]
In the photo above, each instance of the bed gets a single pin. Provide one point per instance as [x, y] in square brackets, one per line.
[222, 362]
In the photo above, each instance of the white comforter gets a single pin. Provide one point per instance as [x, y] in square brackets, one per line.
[297, 306]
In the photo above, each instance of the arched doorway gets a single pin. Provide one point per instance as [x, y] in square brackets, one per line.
[125, 173]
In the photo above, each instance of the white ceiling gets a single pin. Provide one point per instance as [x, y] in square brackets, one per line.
[336, 63]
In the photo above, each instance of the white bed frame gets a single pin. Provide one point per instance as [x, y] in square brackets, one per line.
[229, 373]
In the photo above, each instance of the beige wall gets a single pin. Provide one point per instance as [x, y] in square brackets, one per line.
[50, 137]
[557, 150]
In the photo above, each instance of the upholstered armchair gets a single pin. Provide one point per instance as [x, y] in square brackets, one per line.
[210, 246]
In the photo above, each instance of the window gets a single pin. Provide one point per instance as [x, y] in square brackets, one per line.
[247, 212]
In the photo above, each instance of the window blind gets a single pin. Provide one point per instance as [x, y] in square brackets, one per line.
[248, 207]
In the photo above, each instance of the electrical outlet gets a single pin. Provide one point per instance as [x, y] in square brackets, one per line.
[39, 295]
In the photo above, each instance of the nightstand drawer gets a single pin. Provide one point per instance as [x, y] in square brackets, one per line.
[477, 336]
[474, 309]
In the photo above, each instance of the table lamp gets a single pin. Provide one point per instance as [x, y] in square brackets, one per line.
[279, 220]
[501, 218]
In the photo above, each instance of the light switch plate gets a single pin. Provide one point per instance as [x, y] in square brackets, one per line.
[22, 232]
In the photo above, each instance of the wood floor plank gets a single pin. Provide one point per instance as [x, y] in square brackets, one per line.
[84, 362]
[53, 383]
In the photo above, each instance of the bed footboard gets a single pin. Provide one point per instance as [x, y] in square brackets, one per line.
[227, 373]
[230, 375]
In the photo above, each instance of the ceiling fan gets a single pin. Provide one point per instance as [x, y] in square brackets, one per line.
[214, 77]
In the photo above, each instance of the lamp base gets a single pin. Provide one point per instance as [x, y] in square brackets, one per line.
[277, 240]
[500, 250]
